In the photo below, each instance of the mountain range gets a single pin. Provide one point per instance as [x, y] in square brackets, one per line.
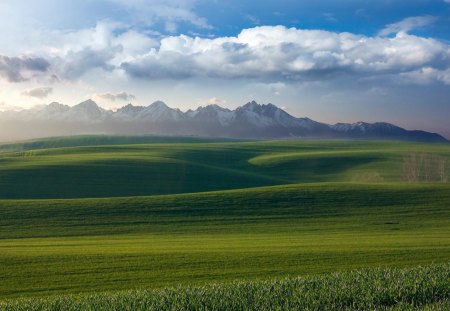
[250, 121]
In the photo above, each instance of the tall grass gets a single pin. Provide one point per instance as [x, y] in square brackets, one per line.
[425, 287]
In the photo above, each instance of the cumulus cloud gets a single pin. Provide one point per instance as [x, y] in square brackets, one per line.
[426, 75]
[119, 96]
[103, 47]
[276, 53]
[77, 63]
[18, 69]
[72, 54]
[76, 53]
[267, 54]
[407, 24]
[40, 92]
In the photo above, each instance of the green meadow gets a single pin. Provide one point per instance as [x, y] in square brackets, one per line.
[92, 215]
[105, 167]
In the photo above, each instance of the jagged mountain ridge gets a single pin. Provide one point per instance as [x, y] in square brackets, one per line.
[251, 120]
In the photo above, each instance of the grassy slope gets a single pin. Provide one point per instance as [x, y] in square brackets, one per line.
[68, 246]
[100, 140]
[149, 169]
[108, 244]
[418, 288]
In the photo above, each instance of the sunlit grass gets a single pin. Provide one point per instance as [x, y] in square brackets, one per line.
[106, 218]
[381, 289]
[52, 246]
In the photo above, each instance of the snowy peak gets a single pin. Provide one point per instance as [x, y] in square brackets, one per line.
[52, 111]
[87, 111]
[56, 107]
[253, 113]
[212, 114]
[266, 115]
[128, 112]
[129, 109]
[251, 120]
[251, 106]
[160, 112]
[88, 104]
[89, 107]
[158, 105]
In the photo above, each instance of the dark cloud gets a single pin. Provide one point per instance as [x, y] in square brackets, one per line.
[119, 96]
[125, 96]
[169, 66]
[77, 63]
[40, 92]
[18, 69]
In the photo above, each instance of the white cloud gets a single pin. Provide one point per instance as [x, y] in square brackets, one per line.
[72, 54]
[266, 54]
[407, 25]
[40, 92]
[426, 75]
[276, 53]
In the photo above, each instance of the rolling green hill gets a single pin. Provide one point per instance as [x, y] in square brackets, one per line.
[192, 166]
[107, 217]
[100, 140]
[54, 246]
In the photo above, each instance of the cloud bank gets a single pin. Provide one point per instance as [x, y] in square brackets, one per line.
[277, 53]
[266, 54]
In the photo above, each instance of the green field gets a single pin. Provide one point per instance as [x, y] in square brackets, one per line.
[95, 214]
[191, 165]
[418, 288]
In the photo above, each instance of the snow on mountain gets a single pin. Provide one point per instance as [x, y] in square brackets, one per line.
[307, 123]
[255, 114]
[271, 115]
[128, 112]
[160, 112]
[251, 120]
[87, 111]
[53, 111]
[212, 113]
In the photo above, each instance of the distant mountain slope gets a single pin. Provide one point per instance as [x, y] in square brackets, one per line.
[250, 121]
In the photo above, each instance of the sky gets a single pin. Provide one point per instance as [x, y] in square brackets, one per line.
[332, 61]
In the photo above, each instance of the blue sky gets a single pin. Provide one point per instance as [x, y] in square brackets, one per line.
[333, 61]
